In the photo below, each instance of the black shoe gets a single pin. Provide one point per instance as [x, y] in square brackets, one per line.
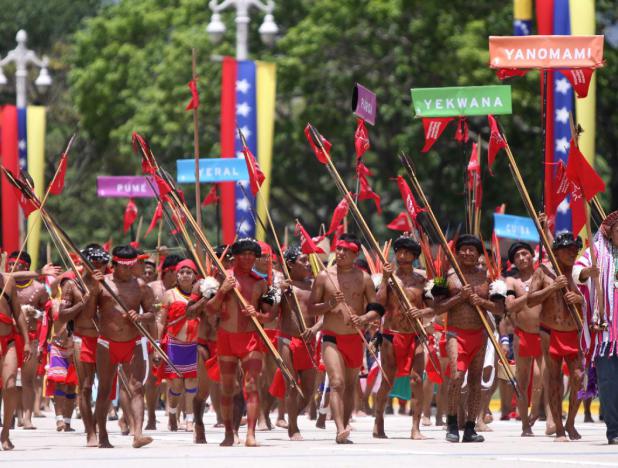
[470, 434]
[452, 431]
[613, 441]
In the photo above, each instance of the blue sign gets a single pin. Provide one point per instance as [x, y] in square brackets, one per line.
[212, 170]
[515, 227]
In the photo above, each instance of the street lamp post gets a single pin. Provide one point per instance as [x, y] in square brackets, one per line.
[22, 57]
[268, 30]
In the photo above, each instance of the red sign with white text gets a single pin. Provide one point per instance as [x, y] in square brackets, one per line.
[545, 52]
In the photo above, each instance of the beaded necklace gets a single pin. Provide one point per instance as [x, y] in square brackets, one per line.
[24, 286]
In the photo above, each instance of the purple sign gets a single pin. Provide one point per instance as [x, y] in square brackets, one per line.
[124, 187]
[364, 104]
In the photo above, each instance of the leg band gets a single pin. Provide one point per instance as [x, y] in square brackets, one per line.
[191, 390]
[70, 396]
[173, 393]
[58, 392]
[172, 410]
[189, 418]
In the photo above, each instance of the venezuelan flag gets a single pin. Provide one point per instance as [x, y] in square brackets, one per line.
[247, 102]
[22, 146]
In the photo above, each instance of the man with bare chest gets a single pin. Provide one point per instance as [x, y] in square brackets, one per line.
[466, 337]
[297, 350]
[237, 339]
[120, 343]
[346, 297]
[528, 349]
[35, 305]
[85, 338]
[556, 320]
[10, 316]
[401, 354]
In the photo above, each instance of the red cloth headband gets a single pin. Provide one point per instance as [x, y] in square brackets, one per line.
[19, 260]
[347, 245]
[187, 263]
[124, 261]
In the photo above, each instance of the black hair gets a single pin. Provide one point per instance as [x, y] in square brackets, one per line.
[125, 251]
[95, 252]
[516, 247]
[292, 254]
[222, 248]
[469, 239]
[25, 256]
[171, 261]
[566, 239]
[246, 244]
[349, 237]
[407, 243]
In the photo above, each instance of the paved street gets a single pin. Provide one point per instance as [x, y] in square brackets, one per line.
[48, 448]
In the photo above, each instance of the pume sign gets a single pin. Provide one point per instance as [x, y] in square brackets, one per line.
[461, 101]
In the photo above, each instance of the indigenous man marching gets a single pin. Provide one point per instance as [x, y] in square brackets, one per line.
[179, 334]
[120, 343]
[85, 335]
[528, 350]
[35, 305]
[401, 354]
[12, 325]
[293, 346]
[466, 337]
[346, 297]
[237, 340]
[558, 325]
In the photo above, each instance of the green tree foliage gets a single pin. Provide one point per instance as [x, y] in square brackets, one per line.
[129, 66]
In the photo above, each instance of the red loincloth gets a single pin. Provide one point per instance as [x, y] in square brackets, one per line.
[529, 343]
[563, 344]
[469, 343]
[350, 347]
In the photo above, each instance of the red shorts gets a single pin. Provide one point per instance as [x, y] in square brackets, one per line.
[238, 344]
[5, 341]
[88, 349]
[404, 346]
[529, 344]
[350, 347]
[120, 352]
[563, 344]
[301, 359]
[469, 343]
[273, 335]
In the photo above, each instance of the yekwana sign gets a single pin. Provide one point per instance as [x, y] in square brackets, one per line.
[546, 52]
[461, 101]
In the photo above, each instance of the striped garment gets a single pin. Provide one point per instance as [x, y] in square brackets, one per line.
[59, 361]
[184, 357]
[605, 342]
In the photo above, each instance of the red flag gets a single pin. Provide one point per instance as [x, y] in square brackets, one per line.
[108, 246]
[336, 236]
[141, 145]
[130, 215]
[461, 135]
[434, 126]
[578, 210]
[194, 103]
[474, 176]
[562, 187]
[496, 141]
[156, 217]
[504, 73]
[361, 139]
[582, 174]
[256, 176]
[27, 205]
[366, 192]
[408, 199]
[211, 197]
[307, 244]
[164, 187]
[580, 79]
[56, 186]
[323, 156]
[400, 223]
[340, 212]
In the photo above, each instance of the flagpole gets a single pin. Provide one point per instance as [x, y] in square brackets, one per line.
[455, 264]
[196, 145]
[544, 167]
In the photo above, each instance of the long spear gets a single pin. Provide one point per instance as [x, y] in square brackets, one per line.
[27, 192]
[455, 264]
[395, 283]
[182, 208]
[523, 191]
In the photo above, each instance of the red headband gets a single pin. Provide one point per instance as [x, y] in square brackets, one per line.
[124, 261]
[18, 260]
[347, 245]
[187, 263]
